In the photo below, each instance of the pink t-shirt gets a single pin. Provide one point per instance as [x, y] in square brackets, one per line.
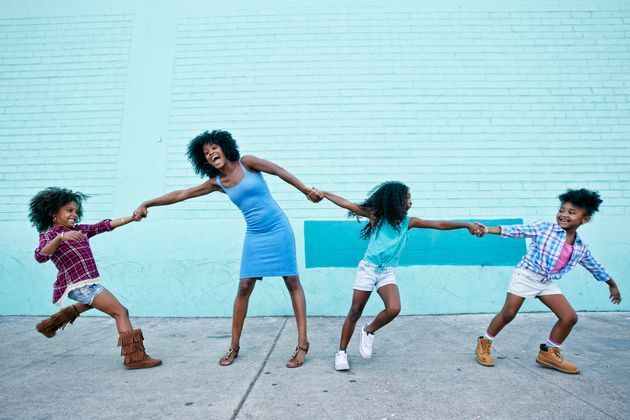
[564, 258]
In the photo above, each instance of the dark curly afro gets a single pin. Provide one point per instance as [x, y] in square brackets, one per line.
[582, 198]
[47, 203]
[223, 139]
[387, 202]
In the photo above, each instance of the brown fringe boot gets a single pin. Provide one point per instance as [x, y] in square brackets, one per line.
[131, 347]
[49, 326]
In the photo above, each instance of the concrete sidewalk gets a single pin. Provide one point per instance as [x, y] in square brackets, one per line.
[423, 367]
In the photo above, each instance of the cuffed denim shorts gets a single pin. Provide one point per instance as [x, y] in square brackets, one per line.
[86, 294]
[528, 284]
[371, 276]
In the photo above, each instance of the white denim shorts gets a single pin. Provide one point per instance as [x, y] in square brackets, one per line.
[528, 284]
[371, 276]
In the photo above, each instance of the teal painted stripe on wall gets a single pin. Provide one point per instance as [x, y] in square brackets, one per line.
[337, 244]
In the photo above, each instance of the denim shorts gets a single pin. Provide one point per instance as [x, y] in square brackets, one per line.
[528, 284]
[371, 276]
[86, 294]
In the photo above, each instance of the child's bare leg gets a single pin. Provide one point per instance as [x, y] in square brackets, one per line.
[567, 317]
[391, 299]
[510, 308]
[106, 302]
[359, 299]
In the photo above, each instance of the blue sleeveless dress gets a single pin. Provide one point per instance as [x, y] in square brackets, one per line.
[269, 247]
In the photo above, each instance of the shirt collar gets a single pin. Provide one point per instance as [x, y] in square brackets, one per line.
[558, 229]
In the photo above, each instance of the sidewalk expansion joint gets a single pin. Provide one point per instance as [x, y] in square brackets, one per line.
[260, 371]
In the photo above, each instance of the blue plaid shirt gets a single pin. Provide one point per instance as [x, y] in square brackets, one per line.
[547, 242]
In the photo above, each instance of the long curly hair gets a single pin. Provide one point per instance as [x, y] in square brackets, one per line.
[387, 202]
[221, 138]
[585, 199]
[45, 204]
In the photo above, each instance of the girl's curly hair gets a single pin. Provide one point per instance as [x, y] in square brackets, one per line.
[387, 202]
[200, 164]
[46, 203]
[583, 198]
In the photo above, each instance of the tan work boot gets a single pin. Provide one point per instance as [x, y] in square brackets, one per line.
[132, 348]
[483, 352]
[49, 326]
[550, 357]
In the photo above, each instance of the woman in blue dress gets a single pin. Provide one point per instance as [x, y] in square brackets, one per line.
[269, 247]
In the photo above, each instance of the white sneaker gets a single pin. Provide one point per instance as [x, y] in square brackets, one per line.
[365, 346]
[341, 361]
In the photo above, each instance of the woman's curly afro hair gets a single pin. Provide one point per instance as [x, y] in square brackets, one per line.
[583, 198]
[46, 203]
[223, 139]
[387, 202]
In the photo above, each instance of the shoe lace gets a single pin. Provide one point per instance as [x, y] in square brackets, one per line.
[556, 353]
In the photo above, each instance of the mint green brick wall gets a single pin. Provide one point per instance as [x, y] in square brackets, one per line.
[486, 111]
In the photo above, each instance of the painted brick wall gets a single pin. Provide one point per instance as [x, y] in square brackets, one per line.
[485, 111]
[62, 91]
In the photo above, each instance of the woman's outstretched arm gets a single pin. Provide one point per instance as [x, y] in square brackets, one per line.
[262, 165]
[176, 196]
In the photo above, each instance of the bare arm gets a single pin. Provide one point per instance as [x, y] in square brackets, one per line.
[495, 230]
[348, 205]
[122, 221]
[474, 228]
[262, 165]
[176, 196]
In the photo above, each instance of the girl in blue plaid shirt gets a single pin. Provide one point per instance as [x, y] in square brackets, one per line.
[555, 249]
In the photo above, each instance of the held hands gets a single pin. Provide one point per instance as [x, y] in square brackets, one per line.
[477, 229]
[140, 213]
[315, 195]
[615, 296]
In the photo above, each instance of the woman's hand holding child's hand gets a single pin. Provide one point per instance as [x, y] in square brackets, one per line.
[315, 195]
[477, 229]
[140, 213]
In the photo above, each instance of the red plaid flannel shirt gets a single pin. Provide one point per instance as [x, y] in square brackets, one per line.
[73, 259]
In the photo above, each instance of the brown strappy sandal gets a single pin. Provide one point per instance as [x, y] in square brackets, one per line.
[229, 357]
[298, 348]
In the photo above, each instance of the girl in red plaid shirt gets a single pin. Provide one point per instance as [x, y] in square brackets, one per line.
[55, 212]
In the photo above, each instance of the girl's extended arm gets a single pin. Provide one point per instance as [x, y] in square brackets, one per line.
[474, 228]
[177, 196]
[122, 221]
[495, 230]
[348, 205]
[76, 235]
[261, 165]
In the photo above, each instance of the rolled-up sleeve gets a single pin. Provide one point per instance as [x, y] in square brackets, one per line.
[596, 269]
[522, 231]
[98, 228]
[44, 239]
